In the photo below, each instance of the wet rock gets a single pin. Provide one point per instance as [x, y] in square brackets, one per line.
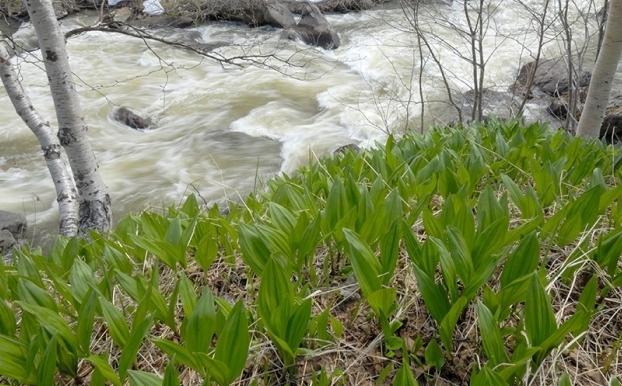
[123, 14]
[558, 109]
[13, 223]
[495, 104]
[611, 130]
[314, 29]
[7, 242]
[341, 6]
[12, 230]
[347, 148]
[161, 21]
[130, 118]
[559, 104]
[279, 15]
[551, 77]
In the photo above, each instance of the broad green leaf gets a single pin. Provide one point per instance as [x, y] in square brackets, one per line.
[433, 295]
[199, 328]
[383, 301]
[142, 378]
[81, 278]
[389, 252]
[282, 217]
[233, 342]
[523, 261]
[434, 355]
[491, 335]
[31, 293]
[460, 253]
[298, 324]
[180, 353]
[539, 317]
[13, 361]
[487, 377]
[116, 322]
[405, 376]
[135, 340]
[52, 322]
[186, 293]
[103, 367]
[448, 323]
[47, 369]
[207, 251]
[254, 250]
[8, 324]
[171, 376]
[365, 265]
[215, 370]
[191, 206]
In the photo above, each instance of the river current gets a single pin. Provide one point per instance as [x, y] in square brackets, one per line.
[221, 131]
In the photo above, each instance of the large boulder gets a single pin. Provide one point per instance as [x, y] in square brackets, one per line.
[314, 29]
[129, 118]
[551, 77]
[277, 14]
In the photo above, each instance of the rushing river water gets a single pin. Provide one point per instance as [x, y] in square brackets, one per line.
[221, 131]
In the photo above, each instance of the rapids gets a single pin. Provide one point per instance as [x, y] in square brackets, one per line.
[223, 130]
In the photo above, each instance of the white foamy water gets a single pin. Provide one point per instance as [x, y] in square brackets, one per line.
[221, 131]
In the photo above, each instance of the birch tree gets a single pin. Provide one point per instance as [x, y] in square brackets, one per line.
[84, 203]
[66, 192]
[603, 74]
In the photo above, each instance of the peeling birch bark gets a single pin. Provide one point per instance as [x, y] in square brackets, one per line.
[53, 153]
[604, 72]
[94, 201]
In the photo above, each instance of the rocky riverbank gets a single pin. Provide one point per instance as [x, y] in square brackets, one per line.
[550, 85]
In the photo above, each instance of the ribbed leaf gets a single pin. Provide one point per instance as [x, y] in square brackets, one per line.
[365, 265]
[47, 368]
[539, 317]
[491, 335]
[233, 342]
[142, 378]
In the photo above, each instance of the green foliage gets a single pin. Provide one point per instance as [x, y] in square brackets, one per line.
[472, 213]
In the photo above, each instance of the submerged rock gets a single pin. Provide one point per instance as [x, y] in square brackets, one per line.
[129, 118]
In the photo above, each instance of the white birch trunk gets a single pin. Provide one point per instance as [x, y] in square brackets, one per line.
[604, 72]
[66, 193]
[95, 211]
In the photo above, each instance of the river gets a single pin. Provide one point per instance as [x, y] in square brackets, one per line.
[221, 131]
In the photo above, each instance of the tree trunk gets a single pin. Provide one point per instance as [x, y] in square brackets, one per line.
[66, 193]
[94, 212]
[604, 72]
